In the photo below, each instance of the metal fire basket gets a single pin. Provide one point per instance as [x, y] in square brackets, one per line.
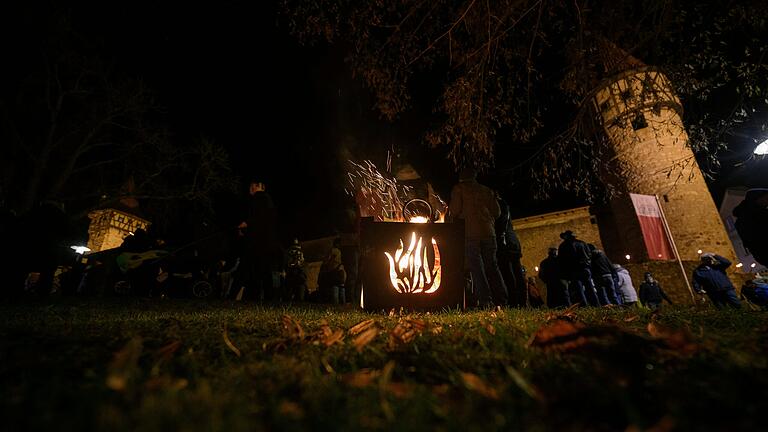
[416, 266]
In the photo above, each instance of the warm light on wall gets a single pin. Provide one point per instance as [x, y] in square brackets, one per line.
[536, 268]
[739, 265]
[699, 251]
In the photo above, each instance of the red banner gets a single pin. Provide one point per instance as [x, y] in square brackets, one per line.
[656, 240]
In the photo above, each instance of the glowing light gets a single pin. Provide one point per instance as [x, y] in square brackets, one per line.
[627, 257]
[536, 268]
[80, 249]
[739, 265]
[418, 219]
[699, 251]
[659, 255]
[753, 265]
[409, 271]
[762, 148]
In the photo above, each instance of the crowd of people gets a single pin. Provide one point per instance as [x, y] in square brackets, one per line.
[574, 273]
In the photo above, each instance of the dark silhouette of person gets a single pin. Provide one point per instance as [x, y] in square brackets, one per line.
[258, 247]
[651, 294]
[509, 253]
[477, 206]
[751, 219]
[576, 261]
[551, 272]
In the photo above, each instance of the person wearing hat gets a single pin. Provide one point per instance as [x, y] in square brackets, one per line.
[651, 294]
[575, 258]
[477, 206]
[710, 278]
[751, 218]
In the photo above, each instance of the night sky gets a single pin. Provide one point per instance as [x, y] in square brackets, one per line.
[230, 72]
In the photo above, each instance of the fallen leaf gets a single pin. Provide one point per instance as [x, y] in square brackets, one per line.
[560, 334]
[124, 364]
[166, 352]
[678, 340]
[365, 338]
[292, 329]
[477, 385]
[359, 327]
[327, 336]
[632, 318]
[490, 328]
[228, 342]
[361, 378]
[436, 330]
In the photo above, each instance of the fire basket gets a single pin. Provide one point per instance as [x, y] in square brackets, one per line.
[412, 265]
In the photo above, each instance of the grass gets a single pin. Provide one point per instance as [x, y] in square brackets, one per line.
[184, 365]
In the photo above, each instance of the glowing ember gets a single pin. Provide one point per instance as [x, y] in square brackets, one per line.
[418, 219]
[409, 270]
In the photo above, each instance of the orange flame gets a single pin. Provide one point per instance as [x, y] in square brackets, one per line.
[409, 270]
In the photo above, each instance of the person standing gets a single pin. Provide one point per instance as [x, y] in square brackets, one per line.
[710, 278]
[651, 293]
[258, 230]
[295, 276]
[477, 206]
[603, 276]
[576, 260]
[551, 272]
[509, 253]
[624, 288]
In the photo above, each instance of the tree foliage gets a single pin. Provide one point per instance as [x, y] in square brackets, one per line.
[79, 132]
[517, 73]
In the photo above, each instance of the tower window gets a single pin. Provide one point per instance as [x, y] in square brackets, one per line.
[639, 122]
[666, 198]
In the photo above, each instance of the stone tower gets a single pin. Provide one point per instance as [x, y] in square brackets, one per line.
[641, 117]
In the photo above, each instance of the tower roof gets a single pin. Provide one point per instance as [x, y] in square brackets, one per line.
[611, 59]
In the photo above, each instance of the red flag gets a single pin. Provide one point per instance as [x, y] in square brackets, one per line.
[656, 240]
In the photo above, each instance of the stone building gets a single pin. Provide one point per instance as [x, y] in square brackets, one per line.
[109, 227]
[640, 116]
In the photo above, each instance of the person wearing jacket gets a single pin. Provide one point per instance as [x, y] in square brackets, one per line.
[710, 278]
[651, 294]
[603, 276]
[624, 288]
[576, 262]
[477, 206]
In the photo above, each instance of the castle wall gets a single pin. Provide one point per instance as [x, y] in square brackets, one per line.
[538, 233]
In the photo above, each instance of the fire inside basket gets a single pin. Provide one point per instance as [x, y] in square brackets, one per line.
[414, 265]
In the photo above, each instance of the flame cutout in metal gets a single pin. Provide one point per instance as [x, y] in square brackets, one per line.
[409, 270]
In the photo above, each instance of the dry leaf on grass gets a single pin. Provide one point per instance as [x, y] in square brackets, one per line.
[490, 329]
[631, 318]
[359, 327]
[328, 336]
[679, 340]
[405, 332]
[361, 378]
[228, 342]
[292, 329]
[124, 364]
[477, 385]
[560, 335]
[365, 338]
[436, 330]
